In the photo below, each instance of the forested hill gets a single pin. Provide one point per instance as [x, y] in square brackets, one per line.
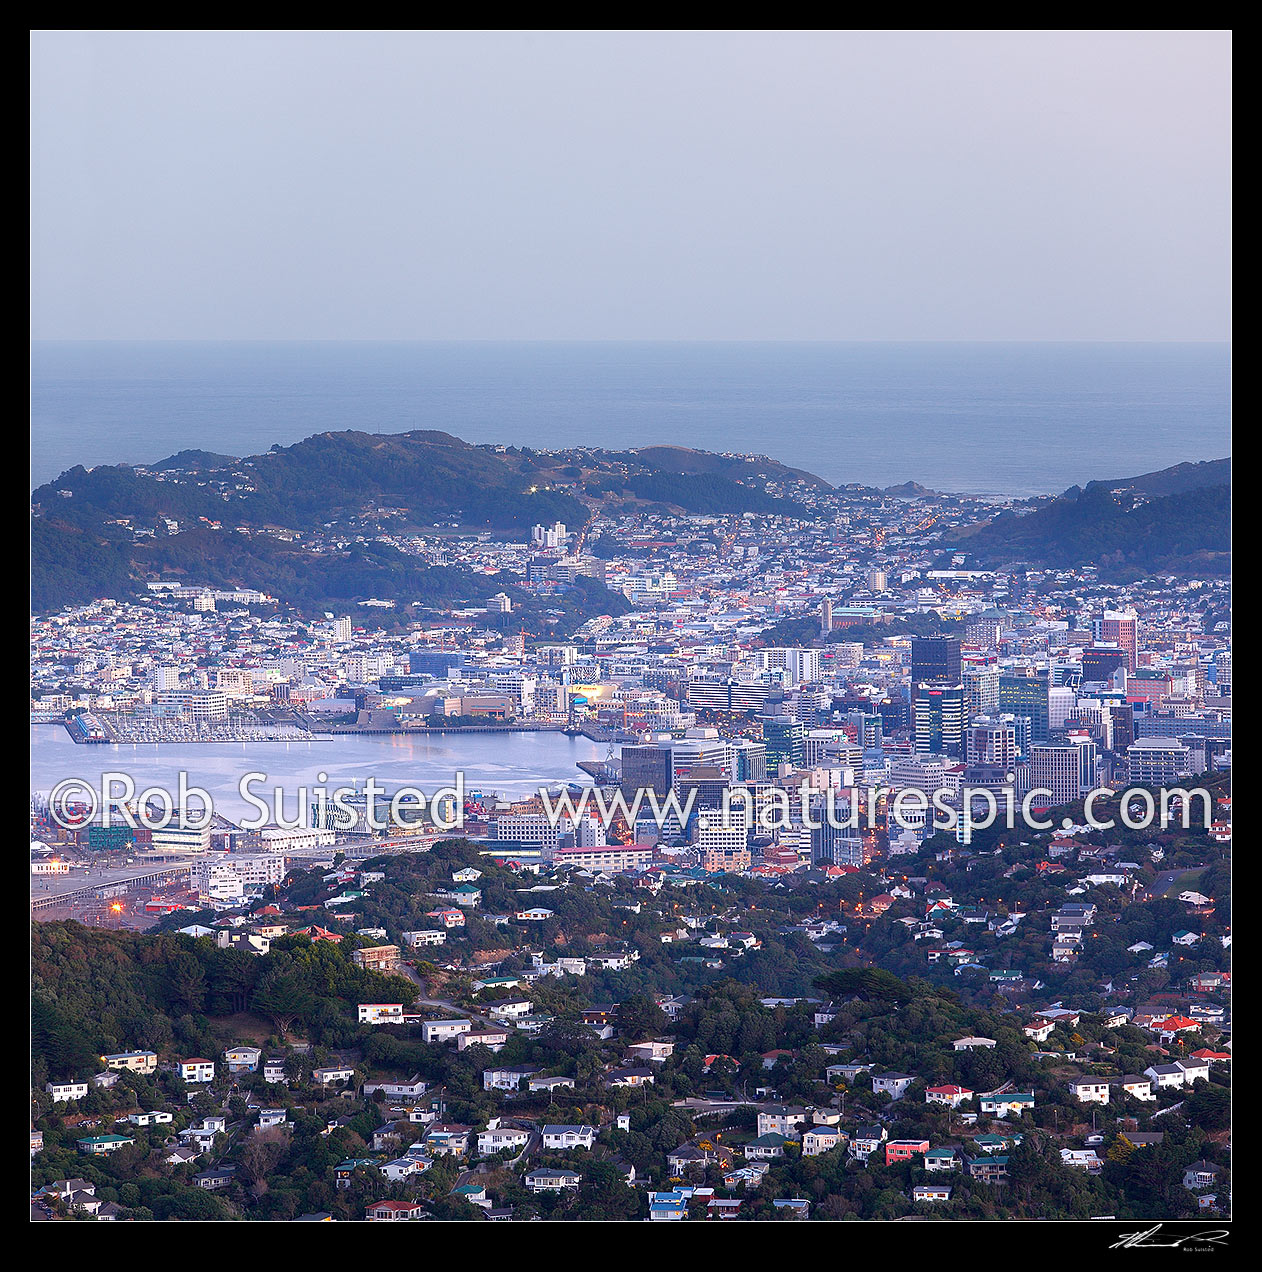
[1122, 531]
[428, 475]
[1175, 480]
[100, 532]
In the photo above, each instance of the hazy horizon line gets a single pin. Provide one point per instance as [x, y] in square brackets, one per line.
[690, 340]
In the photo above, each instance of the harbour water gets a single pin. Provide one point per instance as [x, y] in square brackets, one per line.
[513, 764]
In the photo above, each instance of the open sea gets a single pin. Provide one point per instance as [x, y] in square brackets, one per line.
[987, 419]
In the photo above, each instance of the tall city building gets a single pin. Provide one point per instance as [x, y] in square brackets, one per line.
[1222, 672]
[1060, 706]
[1119, 627]
[938, 719]
[984, 633]
[981, 689]
[1068, 769]
[1157, 761]
[552, 536]
[702, 748]
[785, 740]
[1023, 692]
[991, 741]
[751, 760]
[801, 664]
[647, 768]
[723, 840]
[1056, 769]
[1101, 661]
[935, 659]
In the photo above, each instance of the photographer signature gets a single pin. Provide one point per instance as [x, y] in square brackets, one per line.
[1140, 1240]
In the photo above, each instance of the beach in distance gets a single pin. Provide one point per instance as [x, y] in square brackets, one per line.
[1004, 420]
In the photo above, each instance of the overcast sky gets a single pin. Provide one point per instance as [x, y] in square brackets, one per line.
[642, 185]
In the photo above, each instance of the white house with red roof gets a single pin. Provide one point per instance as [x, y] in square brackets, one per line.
[952, 1096]
[393, 1211]
[1172, 1026]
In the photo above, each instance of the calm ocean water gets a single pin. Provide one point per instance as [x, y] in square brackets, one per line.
[992, 419]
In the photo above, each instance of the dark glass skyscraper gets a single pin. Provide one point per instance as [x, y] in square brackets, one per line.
[935, 659]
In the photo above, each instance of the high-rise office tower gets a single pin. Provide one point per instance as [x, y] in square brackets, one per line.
[1102, 660]
[785, 740]
[984, 633]
[989, 740]
[1119, 627]
[935, 659]
[1023, 692]
[1056, 769]
[981, 689]
[938, 719]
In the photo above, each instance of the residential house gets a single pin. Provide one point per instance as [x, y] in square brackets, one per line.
[1138, 1085]
[559, 1137]
[401, 1168]
[103, 1145]
[951, 1096]
[795, 1207]
[1200, 1175]
[654, 1052]
[498, 1139]
[509, 1008]
[766, 1147]
[892, 1084]
[135, 1061]
[821, 1139]
[330, 1074]
[242, 1059]
[444, 1030]
[942, 1159]
[63, 1092]
[866, 1140]
[409, 1089]
[904, 1150]
[1082, 1159]
[380, 1013]
[989, 1168]
[491, 1039]
[393, 1211]
[931, 1192]
[1013, 1103]
[545, 1082]
[376, 958]
[505, 1079]
[543, 1180]
[215, 1178]
[155, 1117]
[974, 1044]
[630, 1078]
[197, 1070]
[1090, 1090]
[274, 1071]
[783, 1121]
